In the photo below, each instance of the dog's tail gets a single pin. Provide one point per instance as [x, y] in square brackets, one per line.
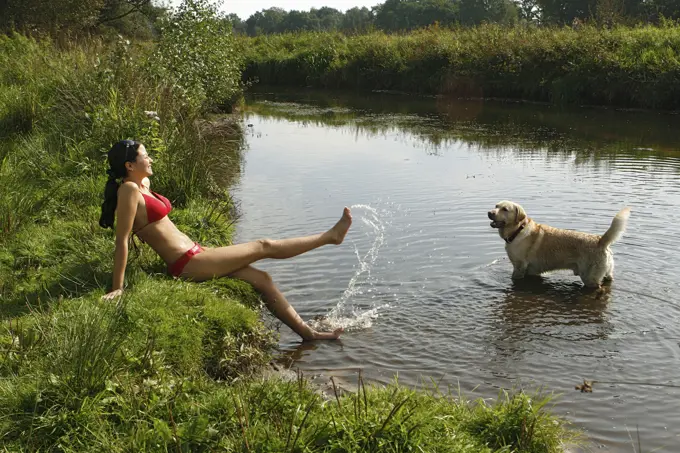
[616, 229]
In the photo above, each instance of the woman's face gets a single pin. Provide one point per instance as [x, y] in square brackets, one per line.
[141, 165]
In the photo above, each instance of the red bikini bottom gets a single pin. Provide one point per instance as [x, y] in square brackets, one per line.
[176, 268]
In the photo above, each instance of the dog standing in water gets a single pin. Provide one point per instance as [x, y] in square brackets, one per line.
[534, 248]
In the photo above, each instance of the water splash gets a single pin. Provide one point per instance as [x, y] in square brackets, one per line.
[358, 319]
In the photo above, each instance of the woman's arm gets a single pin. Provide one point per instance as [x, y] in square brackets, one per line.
[126, 209]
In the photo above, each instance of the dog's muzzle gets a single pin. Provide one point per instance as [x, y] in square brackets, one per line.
[494, 223]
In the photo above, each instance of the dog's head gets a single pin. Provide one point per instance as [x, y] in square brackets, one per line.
[506, 214]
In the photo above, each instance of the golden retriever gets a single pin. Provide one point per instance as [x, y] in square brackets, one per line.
[534, 248]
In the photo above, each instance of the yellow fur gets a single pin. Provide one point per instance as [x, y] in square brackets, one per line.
[539, 248]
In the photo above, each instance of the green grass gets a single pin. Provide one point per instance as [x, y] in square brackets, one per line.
[171, 366]
[161, 412]
[622, 66]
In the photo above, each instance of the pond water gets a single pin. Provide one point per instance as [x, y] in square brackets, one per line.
[422, 282]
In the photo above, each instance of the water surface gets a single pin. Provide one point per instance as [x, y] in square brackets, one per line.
[422, 281]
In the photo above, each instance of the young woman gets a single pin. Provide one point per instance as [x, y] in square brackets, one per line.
[143, 212]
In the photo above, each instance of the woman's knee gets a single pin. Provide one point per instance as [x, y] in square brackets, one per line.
[265, 246]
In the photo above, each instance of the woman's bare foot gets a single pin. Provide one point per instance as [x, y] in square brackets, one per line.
[339, 230]
[326, 335]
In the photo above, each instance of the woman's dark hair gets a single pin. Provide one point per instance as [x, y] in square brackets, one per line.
[120, 153]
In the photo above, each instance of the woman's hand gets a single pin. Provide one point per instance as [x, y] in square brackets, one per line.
[113, 294]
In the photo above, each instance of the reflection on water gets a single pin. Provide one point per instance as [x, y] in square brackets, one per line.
[593, 134]
[424, 281]
[568, 312]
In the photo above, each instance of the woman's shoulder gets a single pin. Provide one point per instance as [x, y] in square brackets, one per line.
[128, 188]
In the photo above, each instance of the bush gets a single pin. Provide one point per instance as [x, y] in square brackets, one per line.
[623, 66]
[198, 52]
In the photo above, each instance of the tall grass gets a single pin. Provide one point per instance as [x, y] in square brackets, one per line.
[62, 351]
[622, 66]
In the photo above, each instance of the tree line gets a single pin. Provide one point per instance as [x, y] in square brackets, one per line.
[140, 17]
[404, 15]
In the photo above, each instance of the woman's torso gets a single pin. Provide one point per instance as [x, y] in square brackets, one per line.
[162, 235]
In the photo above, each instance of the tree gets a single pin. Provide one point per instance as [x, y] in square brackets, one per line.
[357, 20]
[131, 17]
[238, 26]
[265, 21]
[198, 53]
[473, 12]
[396, 15]
[655, 9]
[329, 18]
[564, 11]
[529, 10]
[609, 12]
[118, 9]
[298, 21]
[50, 15]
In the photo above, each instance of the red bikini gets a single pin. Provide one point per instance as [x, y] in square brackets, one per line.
[157, 207]
[176, 268]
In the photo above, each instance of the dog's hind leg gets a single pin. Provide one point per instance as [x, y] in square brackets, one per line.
[609, 275]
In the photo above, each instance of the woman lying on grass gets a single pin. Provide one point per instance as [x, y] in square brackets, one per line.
[144, 213]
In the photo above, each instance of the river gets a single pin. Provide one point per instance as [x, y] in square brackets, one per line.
[422, 283]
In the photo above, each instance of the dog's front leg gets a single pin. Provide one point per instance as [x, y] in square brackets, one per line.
[519, 271]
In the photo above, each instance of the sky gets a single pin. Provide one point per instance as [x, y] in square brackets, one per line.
[245, 8]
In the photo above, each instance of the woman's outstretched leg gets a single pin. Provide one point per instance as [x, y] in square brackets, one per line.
[288, 248]
[222, 261]
[279, 306]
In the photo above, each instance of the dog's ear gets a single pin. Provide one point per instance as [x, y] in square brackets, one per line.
[519, 213]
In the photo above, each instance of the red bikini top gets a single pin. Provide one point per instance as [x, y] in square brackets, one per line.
[157, 206]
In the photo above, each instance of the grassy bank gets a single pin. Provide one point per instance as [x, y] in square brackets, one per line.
[628, 67]
[172, 366]
[63, 350]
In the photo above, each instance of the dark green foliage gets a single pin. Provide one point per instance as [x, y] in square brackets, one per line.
[629, 67]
